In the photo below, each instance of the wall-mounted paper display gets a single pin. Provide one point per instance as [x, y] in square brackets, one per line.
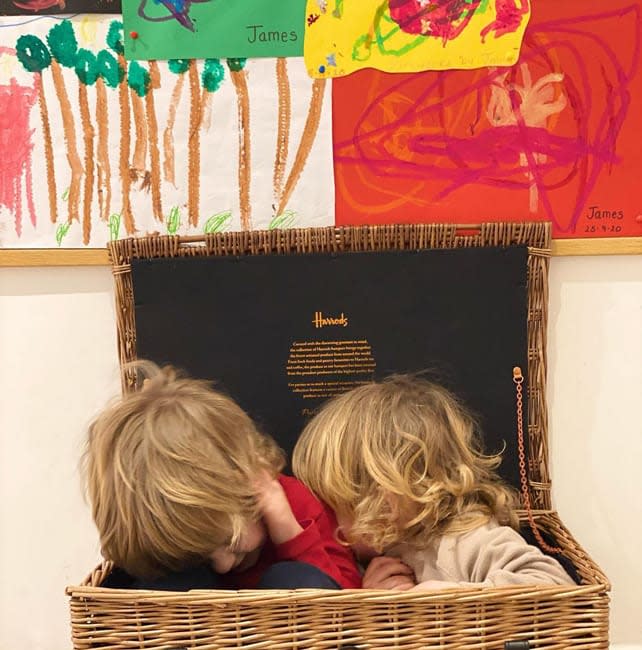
[201, 29]
[342, 36]
[103, 148]
[554, 138]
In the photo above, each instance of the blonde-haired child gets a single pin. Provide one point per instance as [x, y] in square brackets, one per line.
[400, 463]
[186, 493]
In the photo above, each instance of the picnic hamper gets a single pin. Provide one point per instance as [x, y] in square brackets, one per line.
[471, 618]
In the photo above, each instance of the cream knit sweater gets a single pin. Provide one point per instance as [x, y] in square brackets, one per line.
[491, 556]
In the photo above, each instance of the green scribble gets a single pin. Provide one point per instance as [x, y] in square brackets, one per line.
[213, 75]
[178, 66]
[115, 37]
[61, 232]
[109, 69]
[218, 222]
[114, 226]
[236, 65]
[32, 53]
[63, 44]
[65, 195]
[381, 39]
[173, 220]
[338, 9]
[138, 78]
[362, 47]
[285, 220]
[86, 67]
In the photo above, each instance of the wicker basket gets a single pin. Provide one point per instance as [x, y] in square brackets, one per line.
[473, 618]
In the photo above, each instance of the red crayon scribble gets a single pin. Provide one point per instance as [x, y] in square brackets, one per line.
[447, 19]
[16, 145]
[444, 19]
[546, 139]
[508, 18]
[40, 5]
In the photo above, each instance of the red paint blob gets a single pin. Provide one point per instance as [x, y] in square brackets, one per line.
[16, 144]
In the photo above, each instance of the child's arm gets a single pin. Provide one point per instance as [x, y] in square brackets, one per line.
[277, 514]
[302, 530]
[493, 556]
[501, 557]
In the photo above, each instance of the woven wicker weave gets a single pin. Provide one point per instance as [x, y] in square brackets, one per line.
[473, 618]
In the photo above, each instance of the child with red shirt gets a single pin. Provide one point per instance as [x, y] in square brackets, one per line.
[186, 494]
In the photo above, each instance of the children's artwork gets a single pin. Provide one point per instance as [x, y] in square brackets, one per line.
[99, 148]
[555, 137]
[342, 36]
[48, 7]
[199, 29]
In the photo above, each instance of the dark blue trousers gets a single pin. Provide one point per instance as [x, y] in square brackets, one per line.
[282, 575]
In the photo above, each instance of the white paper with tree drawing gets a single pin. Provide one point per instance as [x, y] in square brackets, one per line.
[184, 147]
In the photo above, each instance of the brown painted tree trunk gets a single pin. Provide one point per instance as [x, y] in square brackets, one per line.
[283, 129]
[102, 151]
[239, 79]
[88, 138]
[69, 131]
[168, 135]
[46, 131]
[307, 140]
[140, 146]
[152, 134]
[125, 144]
[194, 147]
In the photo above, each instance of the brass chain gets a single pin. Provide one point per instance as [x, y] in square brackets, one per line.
[518, 379]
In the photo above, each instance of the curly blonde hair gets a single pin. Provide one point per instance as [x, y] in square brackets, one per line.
[401, 460]
[169, 472]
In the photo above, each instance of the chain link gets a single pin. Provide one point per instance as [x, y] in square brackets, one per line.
[518, 379]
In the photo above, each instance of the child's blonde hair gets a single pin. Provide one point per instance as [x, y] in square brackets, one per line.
[169, 472]
[401, 460]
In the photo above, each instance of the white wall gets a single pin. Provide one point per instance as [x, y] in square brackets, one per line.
[58, 364]
[595, 395]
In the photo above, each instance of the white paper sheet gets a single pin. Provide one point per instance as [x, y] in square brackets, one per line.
[307, 199]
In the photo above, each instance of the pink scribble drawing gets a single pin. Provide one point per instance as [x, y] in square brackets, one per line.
[546, 129]
[16, 145]
[447, 19]
[444, 19]
[533, 103]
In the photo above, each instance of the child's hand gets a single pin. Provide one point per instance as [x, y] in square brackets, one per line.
[275, 509]
[388, 573]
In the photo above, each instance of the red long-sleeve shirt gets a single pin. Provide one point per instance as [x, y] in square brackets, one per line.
[315, 545]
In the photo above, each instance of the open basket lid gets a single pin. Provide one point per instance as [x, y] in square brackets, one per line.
[282, 320]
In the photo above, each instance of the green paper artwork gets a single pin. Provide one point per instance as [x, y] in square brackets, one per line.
[202, 29]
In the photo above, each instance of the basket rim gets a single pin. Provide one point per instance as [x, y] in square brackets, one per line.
[329, 596]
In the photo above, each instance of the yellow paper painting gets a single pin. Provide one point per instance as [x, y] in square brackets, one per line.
[342, 36]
